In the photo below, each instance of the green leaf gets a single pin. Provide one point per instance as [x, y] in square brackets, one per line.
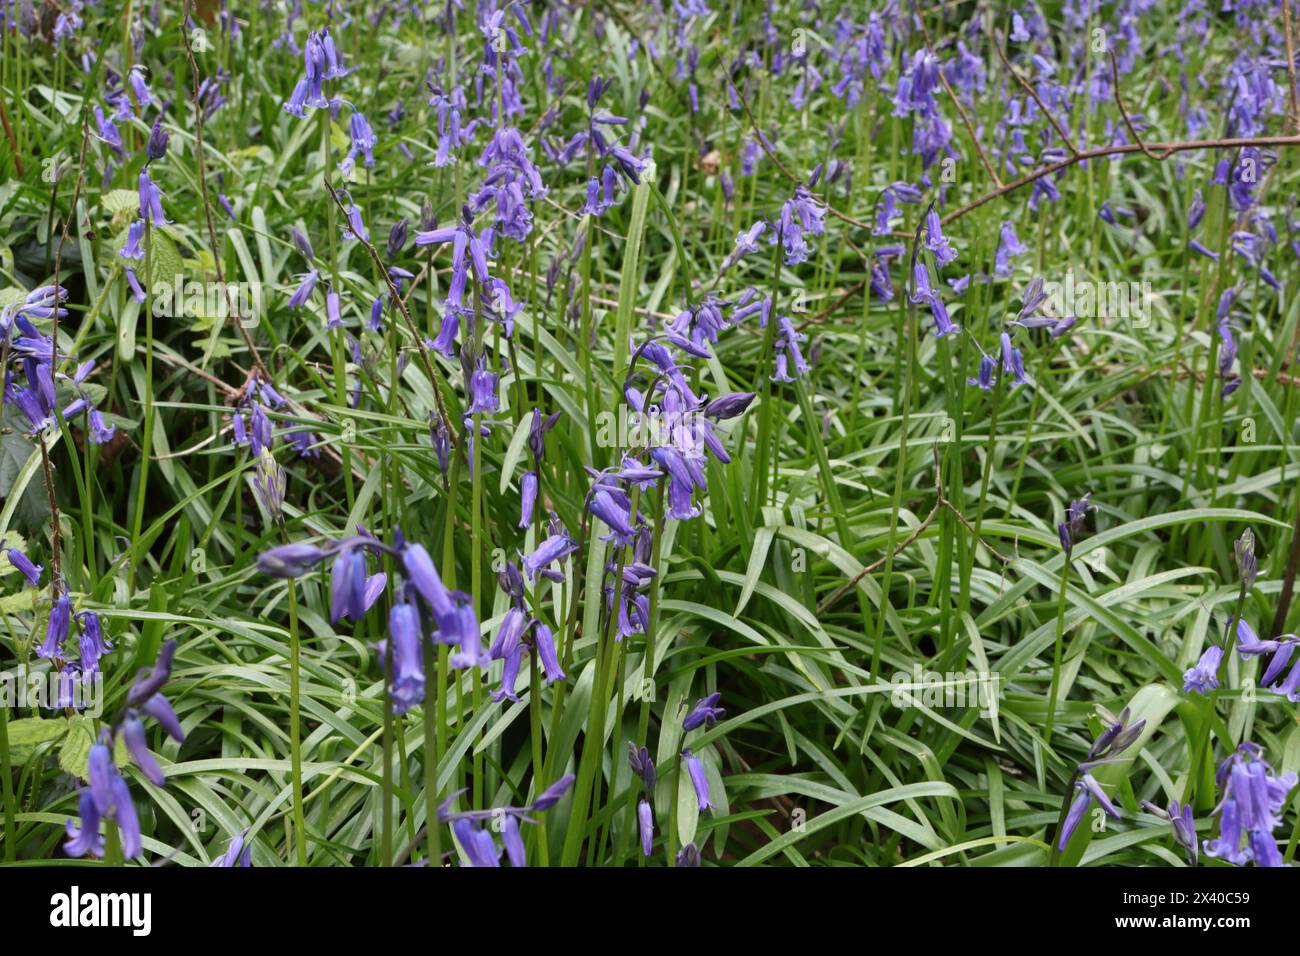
[121, 200]
[28, 733]
[74, 755]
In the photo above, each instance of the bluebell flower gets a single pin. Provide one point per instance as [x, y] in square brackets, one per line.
[1012, 362]
[509, 634]
[1204, 677]
[85, 840]
[479, 847]
[729, 406]
[510, 675]
[139, 86]
[1195, 211]
[617, 516]
[1253, 801]
[108, 132]
[151, 210]
[156, 147]
[695, 768]
[332, 318]
[109, 798]
[397, 236]
[646, 823]
[91, 643]
[290, 560]
[935, 240]
[1075, 516]
[356, 227]
[924, 293]
[239, 853]
[100, 432]
[1009, 245]
[916, 85]
[552, 794]
[134, 235]
[160, 709]
[1183, 824]
[363, 142]
[56, 629]
[986, 378]
[133, 281]
[348, 586]
[460, 628]
[544, 642]
[1088, 790]
[483, 392]
[746, 243]
[513, 841]
[24, 566]
[705, 712]
[137, 746]
[555, 547]
[801, 216]
[149, 683]
[788, 351]
[423, 576]
[304, 290]
[406, 686]
[639, 760]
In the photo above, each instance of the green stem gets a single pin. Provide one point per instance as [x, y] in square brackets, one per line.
[295, 727]
[1056, 650]
[7, 783]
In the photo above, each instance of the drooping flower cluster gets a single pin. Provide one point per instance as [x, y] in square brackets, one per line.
[422, 605]
[1283, 650]
[476, 841]
[1108, 748]
[1250, 809]
[321, 61]
[33, 353]
[107, 796]
[1075, 516]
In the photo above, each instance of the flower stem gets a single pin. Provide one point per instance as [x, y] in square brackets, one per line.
[1056, 650]
[295, 727]
[6, 781]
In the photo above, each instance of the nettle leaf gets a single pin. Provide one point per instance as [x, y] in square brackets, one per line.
[74, 756]
[19, 601]
[121, 200]
[166, 264]
[28, 733]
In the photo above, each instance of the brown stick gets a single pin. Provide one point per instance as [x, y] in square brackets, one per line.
[961, 110]
[401, 307]
[48, 474]
[785, 170]
[203, 190]
[13, 140]
[1290, 64]
[1051, 118]
[1288, 580]
[1168, 149]
[1119, 101]
[941, 502]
